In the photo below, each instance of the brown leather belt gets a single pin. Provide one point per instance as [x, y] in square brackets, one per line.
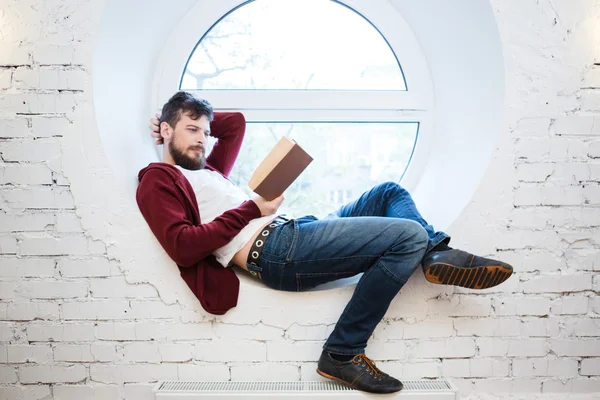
[258, 245]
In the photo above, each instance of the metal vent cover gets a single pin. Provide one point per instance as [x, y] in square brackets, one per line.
[421, 389]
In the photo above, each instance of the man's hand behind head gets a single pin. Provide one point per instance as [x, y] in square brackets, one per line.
[267, 207]
[155, 129]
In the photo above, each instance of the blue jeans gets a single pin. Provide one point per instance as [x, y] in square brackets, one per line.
[381, 235]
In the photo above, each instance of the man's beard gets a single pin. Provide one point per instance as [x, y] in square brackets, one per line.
[185, 161]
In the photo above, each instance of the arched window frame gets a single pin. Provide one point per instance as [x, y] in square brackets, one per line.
[416, 104]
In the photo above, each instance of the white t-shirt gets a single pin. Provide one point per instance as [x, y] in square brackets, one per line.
[215, 195]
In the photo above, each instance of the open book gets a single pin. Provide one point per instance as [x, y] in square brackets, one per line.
[279, 169]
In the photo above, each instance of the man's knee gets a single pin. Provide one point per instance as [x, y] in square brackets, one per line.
[416, 234]
[390, 187]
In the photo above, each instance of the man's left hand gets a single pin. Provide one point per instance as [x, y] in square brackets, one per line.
[155, 129]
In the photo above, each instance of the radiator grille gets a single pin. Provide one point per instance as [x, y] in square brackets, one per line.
[308, 386]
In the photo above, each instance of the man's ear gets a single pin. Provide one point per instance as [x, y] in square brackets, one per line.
[165, 130]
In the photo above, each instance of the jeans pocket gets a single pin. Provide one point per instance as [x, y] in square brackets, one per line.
[306, 281]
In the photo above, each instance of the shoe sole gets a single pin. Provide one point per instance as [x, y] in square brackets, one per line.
[323, 374]
[472, 278]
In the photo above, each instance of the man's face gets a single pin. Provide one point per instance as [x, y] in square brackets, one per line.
[188, 142]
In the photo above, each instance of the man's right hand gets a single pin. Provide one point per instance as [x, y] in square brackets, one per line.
[155, 129]
[267, 207]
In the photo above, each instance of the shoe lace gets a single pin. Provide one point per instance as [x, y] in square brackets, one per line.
[367, 362]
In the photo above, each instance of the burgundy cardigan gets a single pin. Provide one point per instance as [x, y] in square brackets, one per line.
[168, 203]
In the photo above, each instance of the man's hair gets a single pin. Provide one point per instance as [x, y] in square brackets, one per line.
[185, 103]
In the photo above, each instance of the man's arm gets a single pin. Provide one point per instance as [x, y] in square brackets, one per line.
[229, 130]
[185, 243]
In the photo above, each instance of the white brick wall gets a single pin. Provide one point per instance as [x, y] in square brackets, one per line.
[76, 322]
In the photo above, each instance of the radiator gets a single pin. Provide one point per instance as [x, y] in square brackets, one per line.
[197, 390]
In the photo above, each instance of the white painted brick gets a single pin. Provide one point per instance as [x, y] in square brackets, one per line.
[56, 246]
[231, 350]
[39, 354]
[591, 195]
[31, 220]
[102, 310]
[528, 348]
[25, 174]
[521, 306]
[590, 385]
[462, 368]
[8, 374]
[176, 331]
[508, 385]
[30, 150]
[12, 54]
[50, 78]
[14, 127]
[7, 290]
[58, 54]
[459, 306]
[8, 245]
[422, 370]
[302, 332]
[7, 331]
[543, 217]
[595, 304]
[593, 150]
[5, 78]
[575, 347]
[116, 287]
[385, 350]
[284, 317]
[207, 372]
[295, 351]
[85, 352]
[88, 267]
[133, 373]
[51, 289]
[153, 309]
[265, 372]
[550, 149]
[524, 239]
[65, 332]
[486, 327]
[116, 331]
[563, 367]
[592, 78]
[590, 366]
[176, 352]
[548, 196]
[393, 368]
[580, 125]
[539, 327]
[28, 392]
[531, 127]
[532, 260]
[308, 372]
[585, 326]
[43, 126]
[28, 311]
[38, 197]
[583, 259]
[249, 332]
[138, 391]
[455, 347]
[52, 373]
[558, 283]
[67, 221]
[87, 392]
[492, 347]
[38, 103]
[141, 352]
[425, 329]
[535, 172]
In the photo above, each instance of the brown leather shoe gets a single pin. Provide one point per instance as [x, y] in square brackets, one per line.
[459, 268]
[360, 373]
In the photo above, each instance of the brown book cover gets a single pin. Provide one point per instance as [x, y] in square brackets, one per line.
[279, 169]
